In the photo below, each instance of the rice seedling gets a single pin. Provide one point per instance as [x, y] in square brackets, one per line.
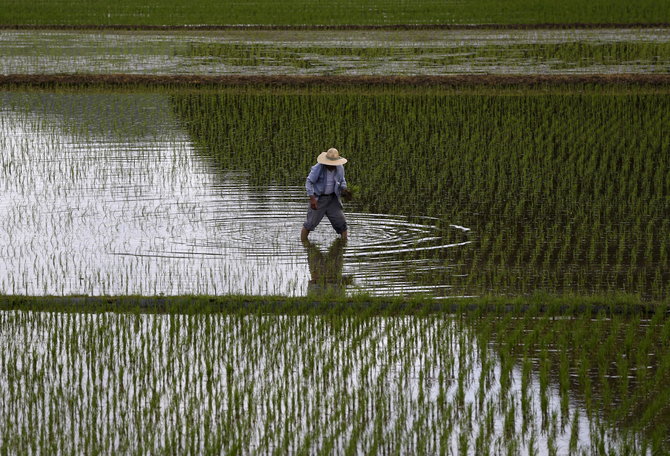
[275, 383]
[541, 209]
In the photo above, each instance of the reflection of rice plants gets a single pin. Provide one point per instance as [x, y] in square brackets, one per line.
[615, 366]
[565, 191]
[333, 381]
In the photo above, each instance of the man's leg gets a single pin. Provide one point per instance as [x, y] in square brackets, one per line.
[336, 217]
[314, 217]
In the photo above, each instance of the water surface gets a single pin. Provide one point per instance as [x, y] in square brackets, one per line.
[150, 192]
[107, 194]
[193, 383]
[435, 52]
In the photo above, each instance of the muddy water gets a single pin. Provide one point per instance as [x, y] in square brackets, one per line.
[94, 202]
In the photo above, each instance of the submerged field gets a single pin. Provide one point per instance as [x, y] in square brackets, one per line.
[330, 12]
[560, 190]
[337, 52]
[504, 289]
[459, 191]
[349, 383]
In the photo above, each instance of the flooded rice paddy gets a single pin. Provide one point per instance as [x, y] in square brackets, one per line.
[174, 192]
[106, 194]
[181, 192]
[132, 383]
[536, 176]
[296, 52]
[200, 192]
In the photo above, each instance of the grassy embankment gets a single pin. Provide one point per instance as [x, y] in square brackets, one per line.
[536, 304]
[332, 12]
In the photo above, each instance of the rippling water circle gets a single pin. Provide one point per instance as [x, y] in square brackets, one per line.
[135, 209]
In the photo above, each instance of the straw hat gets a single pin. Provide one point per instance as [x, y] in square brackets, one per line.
[331, 157]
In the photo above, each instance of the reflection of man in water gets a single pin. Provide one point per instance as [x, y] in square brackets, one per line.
[326, 269]
[325, 184]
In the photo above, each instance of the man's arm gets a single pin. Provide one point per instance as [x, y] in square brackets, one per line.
[312, 177]
[309, 186]
[310, 192]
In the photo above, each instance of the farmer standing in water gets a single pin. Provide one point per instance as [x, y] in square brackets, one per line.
[325, 184]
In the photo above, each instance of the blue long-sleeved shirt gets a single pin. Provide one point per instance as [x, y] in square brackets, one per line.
[316, 180]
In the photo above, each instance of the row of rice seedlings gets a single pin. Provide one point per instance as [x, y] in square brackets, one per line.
[542, 227]
[576, 54]
[331, 12]
[89, 383]
[616, 367]
[537, 176]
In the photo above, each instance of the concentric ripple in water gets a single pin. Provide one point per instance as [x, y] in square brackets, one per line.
[98, 203]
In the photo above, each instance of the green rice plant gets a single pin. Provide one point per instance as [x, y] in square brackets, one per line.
[301, 12]
[530, 186]
[617, 393]
[383, 404]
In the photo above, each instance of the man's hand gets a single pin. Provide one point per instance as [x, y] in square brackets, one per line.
[313, 202]
[346, 194]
